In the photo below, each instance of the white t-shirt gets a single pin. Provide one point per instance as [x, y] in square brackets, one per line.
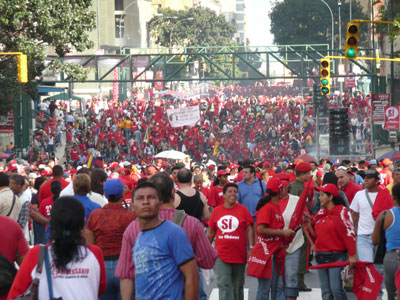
[361, 205]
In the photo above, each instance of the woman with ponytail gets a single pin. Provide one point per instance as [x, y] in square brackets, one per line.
[47, 203]
[77, 270]
[270, 232]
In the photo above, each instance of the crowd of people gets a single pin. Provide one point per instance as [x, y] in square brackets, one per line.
[114, 218]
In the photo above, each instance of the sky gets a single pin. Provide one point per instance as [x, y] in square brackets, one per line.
[258, 23]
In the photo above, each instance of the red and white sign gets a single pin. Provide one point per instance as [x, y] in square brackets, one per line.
[350, 81]
[379, 102]
[7, 123]
[159, 85]
[392, 118]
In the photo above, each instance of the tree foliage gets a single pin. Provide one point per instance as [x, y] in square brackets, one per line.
[385, 13]
[310, 22]
[193, 27]
[30, 26]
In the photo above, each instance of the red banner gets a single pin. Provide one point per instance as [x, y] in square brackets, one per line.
[350, 81]
[159, 85]
[392, 118]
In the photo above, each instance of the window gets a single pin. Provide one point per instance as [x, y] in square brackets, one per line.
[119, 4]
[119, 26]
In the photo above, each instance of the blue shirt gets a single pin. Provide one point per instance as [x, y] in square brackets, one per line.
[249, 194]
[157, 255]
[392, 233]
[88, 204]
[359, 179]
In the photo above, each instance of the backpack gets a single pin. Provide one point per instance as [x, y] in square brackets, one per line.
[7, 275]
[179, 217]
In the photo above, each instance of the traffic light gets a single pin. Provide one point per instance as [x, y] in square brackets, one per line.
[22, 61]
[352, 40]
[339, 134]
[325, 76]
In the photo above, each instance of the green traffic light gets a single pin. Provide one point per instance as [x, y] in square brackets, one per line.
[351, 52]
[325, 90]
[324, 81]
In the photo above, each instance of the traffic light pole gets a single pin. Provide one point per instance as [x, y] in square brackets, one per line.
[318, 148]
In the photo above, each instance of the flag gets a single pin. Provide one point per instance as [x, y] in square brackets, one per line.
[297, 216]
[366, 279]
[215, 148]
[90, 161]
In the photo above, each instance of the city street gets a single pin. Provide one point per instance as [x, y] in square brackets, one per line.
[251, 289]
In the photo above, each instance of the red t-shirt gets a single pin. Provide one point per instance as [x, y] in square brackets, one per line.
[230, 226]
[271, 215]
[216, 196]
[45, 190]
[45, 206]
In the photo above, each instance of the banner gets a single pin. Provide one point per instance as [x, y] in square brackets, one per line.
[392, 118]
[379, 102]
[159, 85]
[185, 116]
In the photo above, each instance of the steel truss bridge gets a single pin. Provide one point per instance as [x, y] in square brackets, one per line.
[224, 63]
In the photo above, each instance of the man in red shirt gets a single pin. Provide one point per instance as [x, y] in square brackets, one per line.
[386, 174]
[346, 185]
[45, 190]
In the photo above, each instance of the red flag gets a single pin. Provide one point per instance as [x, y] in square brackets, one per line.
[383, 202]
[297, 216]
[366, 279]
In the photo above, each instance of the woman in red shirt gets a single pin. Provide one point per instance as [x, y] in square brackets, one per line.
[230, 223]
[216, 196]
[270, 232]
[333, 231]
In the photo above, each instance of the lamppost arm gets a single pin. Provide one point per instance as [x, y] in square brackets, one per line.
[333, 27]
[173, 27]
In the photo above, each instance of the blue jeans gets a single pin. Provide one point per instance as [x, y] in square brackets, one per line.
[113, 291]
[202, 293]
[38, 233]
[365, 251]
[331, 282]
[292, 265]
[267, 285]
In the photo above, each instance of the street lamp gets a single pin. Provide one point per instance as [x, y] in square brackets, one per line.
[173, 27]
[333, 27]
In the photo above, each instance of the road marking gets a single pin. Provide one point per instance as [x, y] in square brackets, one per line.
[214, 294]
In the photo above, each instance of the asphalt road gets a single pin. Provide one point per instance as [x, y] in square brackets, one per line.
[311, 280]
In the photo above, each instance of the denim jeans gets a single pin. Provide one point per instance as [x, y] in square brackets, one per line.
[202, 293]
[331, 282]
[292, 265]
[269, 285]
[113, 291]
[365, 251]
[38, 233]
[230, 280]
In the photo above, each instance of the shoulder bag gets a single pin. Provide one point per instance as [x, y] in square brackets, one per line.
[380, 250]
[32, 293]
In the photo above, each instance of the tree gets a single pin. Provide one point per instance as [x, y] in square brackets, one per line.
[30, 26]
[197, 26]
[310, 22]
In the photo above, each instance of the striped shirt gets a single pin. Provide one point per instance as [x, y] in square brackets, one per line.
[204, 253]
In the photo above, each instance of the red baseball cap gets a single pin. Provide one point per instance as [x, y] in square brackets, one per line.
[211, 167]
[303, 167]
[222, 173]
[329, 188]
[274, 184]
[284, 178]
[12, 166]
[267, 164]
